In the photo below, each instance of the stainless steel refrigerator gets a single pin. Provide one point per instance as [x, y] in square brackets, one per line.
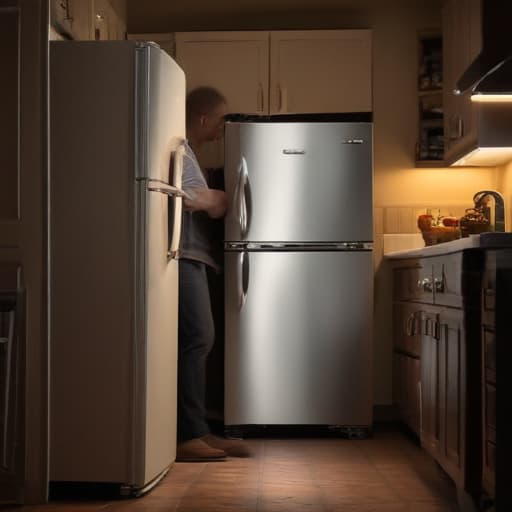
[117, 126]
[299, 272]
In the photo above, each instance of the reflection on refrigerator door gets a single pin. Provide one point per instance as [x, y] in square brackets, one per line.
[298, 338]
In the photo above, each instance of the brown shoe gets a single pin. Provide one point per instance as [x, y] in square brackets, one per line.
[233, 447]
[196, 450]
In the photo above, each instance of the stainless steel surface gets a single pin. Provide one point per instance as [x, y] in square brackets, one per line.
[308, 246]
[299, 182]
[483, 75]
[298, 347]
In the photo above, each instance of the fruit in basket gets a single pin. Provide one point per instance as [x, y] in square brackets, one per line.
[425, 222]
[450, 221]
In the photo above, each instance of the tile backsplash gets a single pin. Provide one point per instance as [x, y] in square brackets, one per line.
[403, 219]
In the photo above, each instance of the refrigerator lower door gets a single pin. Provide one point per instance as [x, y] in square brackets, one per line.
[298, 338]
[157, 319]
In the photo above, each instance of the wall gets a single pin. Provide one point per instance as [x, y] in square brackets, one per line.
[400, 189]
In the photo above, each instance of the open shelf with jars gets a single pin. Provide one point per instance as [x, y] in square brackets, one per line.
[430, 145]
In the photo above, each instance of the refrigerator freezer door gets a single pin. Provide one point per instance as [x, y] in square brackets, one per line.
[298, 338]
[160, 93]
[309, 182]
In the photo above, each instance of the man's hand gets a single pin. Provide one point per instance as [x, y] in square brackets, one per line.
[211, 201]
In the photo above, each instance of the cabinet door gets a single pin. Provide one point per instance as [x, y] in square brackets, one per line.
[462, 43]
[447, 280]
[320, 71]
[82, 19]
[407, 327]
[101, 13]
[452, 392]
[235, 63]
[431, 400]
[406, 389]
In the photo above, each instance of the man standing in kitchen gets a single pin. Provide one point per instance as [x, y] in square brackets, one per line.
[205, 111]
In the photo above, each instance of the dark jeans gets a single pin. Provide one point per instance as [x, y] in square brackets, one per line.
[195, 339]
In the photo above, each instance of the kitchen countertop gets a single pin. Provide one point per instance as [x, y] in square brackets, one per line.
[482, 241]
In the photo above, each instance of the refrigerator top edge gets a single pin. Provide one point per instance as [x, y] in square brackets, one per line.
[299, 246]
[347, 117]
[105, 44]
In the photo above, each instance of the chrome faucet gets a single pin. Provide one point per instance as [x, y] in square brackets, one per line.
[482, 199]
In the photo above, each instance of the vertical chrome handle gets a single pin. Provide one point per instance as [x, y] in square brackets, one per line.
[177, 201]
[242, 198]
[243, 278]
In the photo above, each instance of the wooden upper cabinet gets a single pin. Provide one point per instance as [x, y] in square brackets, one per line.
[462, 42]
[86, 20]
[286, 72]
[235, 63]
[318, 71]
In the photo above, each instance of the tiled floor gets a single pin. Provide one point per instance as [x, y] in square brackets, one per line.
[386, 473]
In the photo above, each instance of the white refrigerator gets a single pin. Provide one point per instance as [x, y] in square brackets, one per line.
[117, 127]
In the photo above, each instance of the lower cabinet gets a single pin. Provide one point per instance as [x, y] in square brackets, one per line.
[437, 359]
[443, 390]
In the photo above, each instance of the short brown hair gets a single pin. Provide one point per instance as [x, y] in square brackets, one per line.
[202, 100]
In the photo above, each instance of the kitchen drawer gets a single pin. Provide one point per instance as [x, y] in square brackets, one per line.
[412, 281]
[447, 280]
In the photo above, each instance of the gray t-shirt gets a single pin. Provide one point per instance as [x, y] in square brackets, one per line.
[196, 226]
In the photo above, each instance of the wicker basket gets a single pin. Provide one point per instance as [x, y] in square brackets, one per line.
[440, 234]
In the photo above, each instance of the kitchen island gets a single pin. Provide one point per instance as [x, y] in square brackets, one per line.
[450, 329]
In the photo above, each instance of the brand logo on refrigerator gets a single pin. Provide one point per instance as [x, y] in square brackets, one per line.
[352, 141]
[294, 151]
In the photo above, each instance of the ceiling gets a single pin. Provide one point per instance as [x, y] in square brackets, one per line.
[172, 15]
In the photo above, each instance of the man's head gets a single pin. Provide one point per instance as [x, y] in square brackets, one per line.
[206, 108]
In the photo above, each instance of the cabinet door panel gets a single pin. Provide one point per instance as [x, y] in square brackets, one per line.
[462, 43]
[430, 392]
[447, 280]
[408, 325]
[320, 71]
[235, 63]
[452, 392]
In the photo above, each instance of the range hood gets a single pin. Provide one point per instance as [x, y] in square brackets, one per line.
[488, 80]
[491, 72]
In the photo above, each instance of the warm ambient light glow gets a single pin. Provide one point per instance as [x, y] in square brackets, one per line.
[491, 98]
[487, 157]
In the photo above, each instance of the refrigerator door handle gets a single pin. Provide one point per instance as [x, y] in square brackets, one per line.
[178, 202]
[243, 199]
[164, 188]
[243, 278]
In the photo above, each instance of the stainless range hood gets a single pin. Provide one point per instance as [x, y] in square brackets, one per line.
[491, 71]
[488, 81]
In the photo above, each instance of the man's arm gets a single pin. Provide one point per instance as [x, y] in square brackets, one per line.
[212, 201]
